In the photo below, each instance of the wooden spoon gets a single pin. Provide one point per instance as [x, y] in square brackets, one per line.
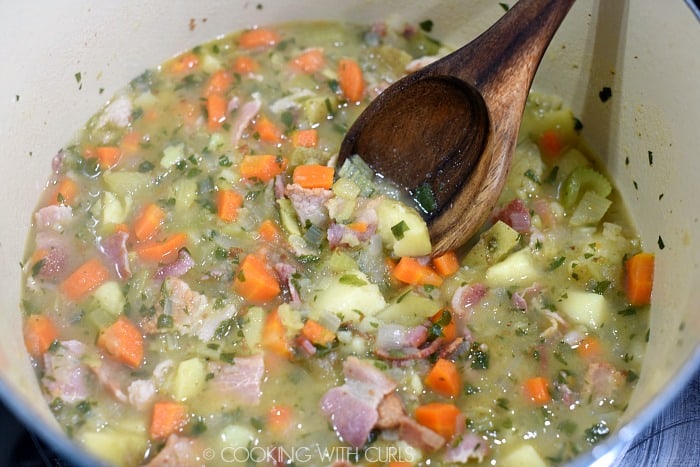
[448, 131]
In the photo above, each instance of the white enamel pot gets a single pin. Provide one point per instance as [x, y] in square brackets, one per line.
[62, 60]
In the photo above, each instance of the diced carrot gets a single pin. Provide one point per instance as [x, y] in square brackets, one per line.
[219, 82]
[449, 330]
[589, 348]
[639, 278]
[130, 143]
[350, 79]
[254, 281]
[309, 61]
[551, 145]
[90, 275]
[439, 417]
[399, 464]
[244, 64]
[227, 204]
[263, 167]
[316, 333]
[305, 138]
[168, 417]
[274, 336]
[39, 333]
[313, 176]
[121, 227]
[66, 191]
[446, 264]
[269, 231]
[151, 115]
[444, 379]
[217, 108]
[537, 390]
[123, 340]
[279, 418]
[390, 265]
[183, 63]
[108, 156]
[257, 38]
[267, 130]
[148, 222]
[359, 227]
[164, 251]
[410, 271]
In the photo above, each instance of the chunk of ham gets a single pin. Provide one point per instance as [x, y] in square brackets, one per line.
[352, 408]
[112, 375]
[602, 382]
[53, 217]
[516, 215]
[50, 222]
[113, 249]
[183, 263]
[65, 375]
[309, 203]
[179, 451]
[241, 380]
[285, 271]
[191, 312]
[470, 447]
[392, 415]
[464, 300]
[244, 115]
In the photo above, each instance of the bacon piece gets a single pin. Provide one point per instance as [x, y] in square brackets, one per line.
[516, 215]
[352, 407]
[391, 412]
[420, 436]
[112, 375]
[141, 393]
[177, 268]
[602, 382]
[53, 217]
[285, 271]
[115, 252]
[463, 302]
[309, 203]
[179, 451]
[471, 447]
[65, 376]
[241, 380]
[244, 116]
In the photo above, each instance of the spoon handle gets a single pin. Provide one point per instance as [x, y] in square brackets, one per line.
[509, 52]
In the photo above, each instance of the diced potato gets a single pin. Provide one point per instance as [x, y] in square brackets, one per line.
[410, 309]
[516, 270]
[237, 435]
[114, 210]
[125, 183]
[115, 446]
[189, 379]
[523, 455]
[346, 295]
[291, 318]
[184, 193]
[414, 239]
[587, 308]
[493, 245]
[172, 155]
[110, 298]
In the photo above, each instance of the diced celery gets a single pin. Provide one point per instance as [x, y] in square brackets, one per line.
[517, 269]
[210, 64]
[237, 435]
[587, 308]
[288, 216]
[523, 455]
[115, 446]
[317, 109]
[349, 295]
[583, 179]
[409, 309]
[493, 245]
[340, 262]
[356, 170]
[188, 381]
[126, 183]
[184, 192]
[114, 210]
[590, 210]
[570, 161]
[110, 298]
[412, 239]
[253, 326]
[172, 155]
[291, 318]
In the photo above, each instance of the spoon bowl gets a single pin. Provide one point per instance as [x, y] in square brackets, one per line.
[447, 132]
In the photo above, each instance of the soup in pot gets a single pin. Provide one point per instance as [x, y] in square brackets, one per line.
[203, 285]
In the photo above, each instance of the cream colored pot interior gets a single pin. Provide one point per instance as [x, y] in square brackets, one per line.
[62, 60]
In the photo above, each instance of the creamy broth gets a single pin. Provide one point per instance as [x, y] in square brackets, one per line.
[204, 286]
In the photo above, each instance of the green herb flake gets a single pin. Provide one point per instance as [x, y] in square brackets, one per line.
[287, 119]
[165, 321]
[629, 311]
[399, 230]
[605, 94]
[505, 6]
[502, 402]
[351, 279]
[470, 389]
[529, 173]
[425, 198]
[145, 166]
[227, 357]
[478, 357]
[600, 287]
[556, 262]
[651, 157]
[224, 161]
[597, 432]
[426, 25]
[661, 243]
